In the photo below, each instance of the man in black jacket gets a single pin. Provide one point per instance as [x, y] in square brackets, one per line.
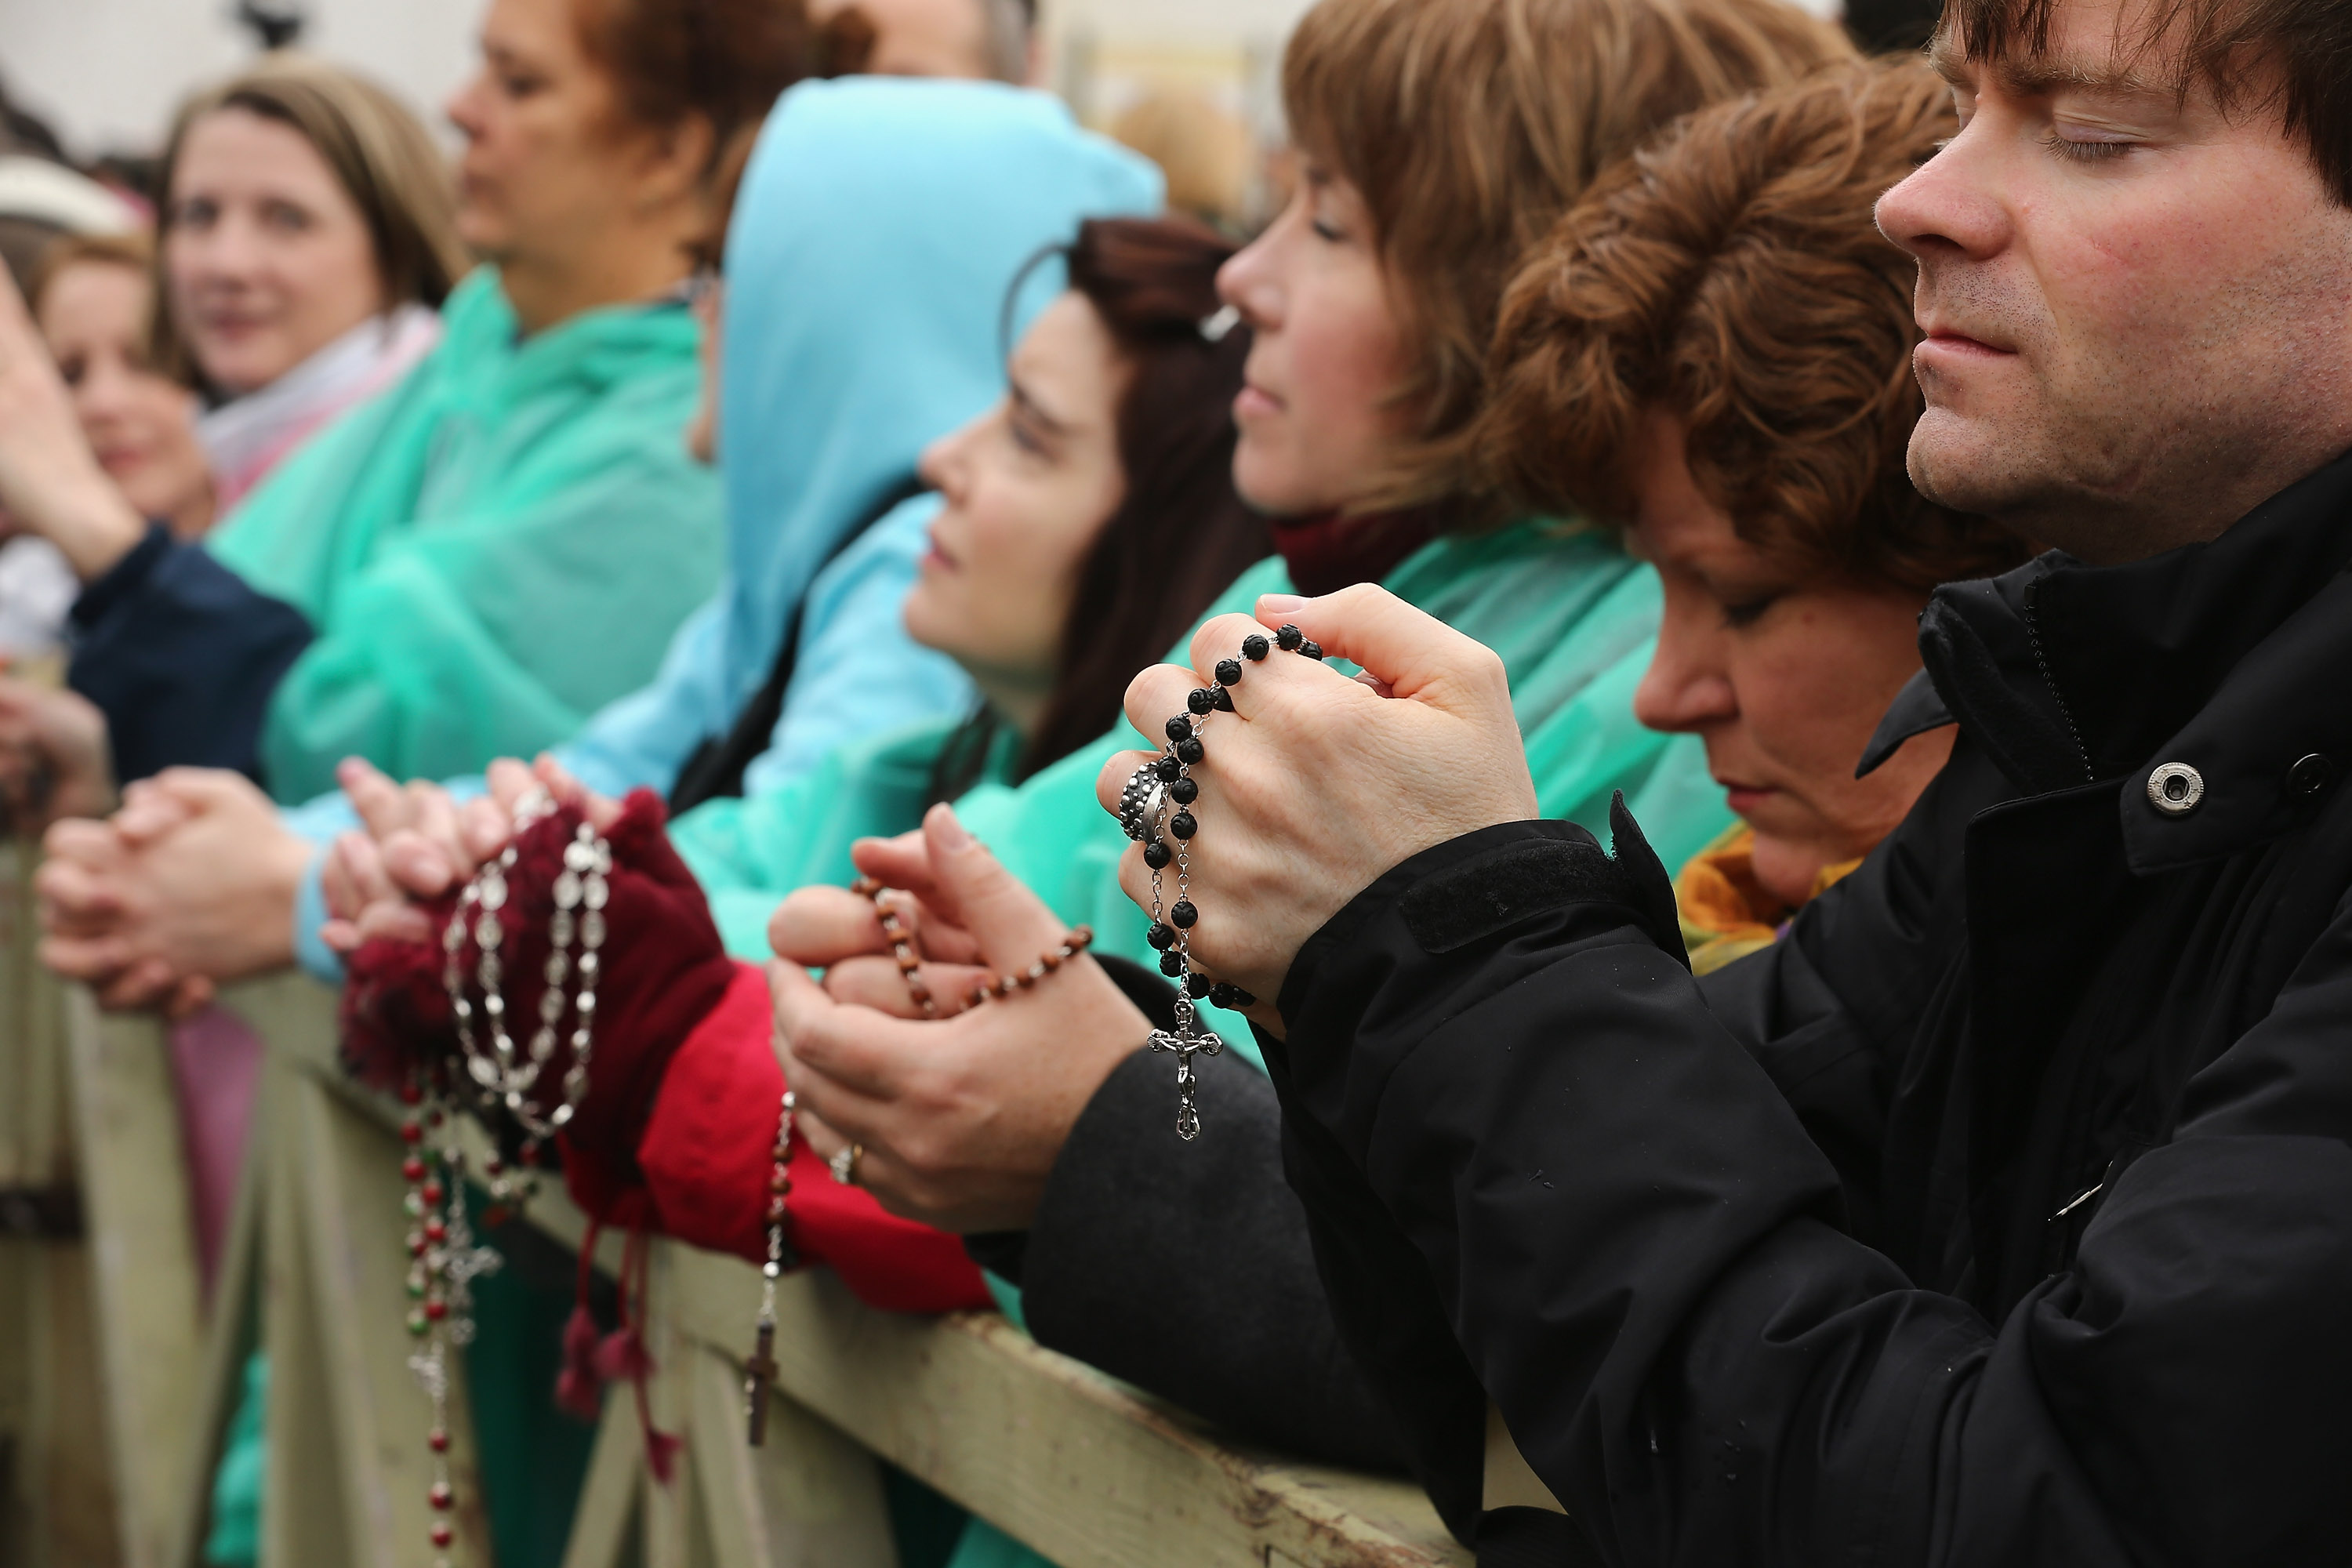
[2001, 1212]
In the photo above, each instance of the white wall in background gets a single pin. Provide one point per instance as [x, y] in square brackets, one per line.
[106, 73]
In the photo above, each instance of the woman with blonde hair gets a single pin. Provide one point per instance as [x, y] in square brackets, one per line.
[308, 237]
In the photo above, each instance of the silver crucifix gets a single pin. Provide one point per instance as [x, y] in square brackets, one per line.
[1185, 1041]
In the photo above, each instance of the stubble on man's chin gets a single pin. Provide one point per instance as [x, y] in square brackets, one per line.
[1969, 469]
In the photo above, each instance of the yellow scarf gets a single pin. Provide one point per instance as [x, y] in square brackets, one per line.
[1725, 914]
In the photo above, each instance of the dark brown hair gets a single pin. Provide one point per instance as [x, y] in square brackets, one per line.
[379, 154]
[1469, 125]
[1183, 533]
[2294, 56]
[1732, 277]
[724, 60]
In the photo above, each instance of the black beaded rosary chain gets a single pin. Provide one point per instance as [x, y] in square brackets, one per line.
[1160, 796]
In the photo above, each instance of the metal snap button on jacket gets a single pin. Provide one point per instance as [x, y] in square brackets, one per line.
[2309, 776]
[2174, 789]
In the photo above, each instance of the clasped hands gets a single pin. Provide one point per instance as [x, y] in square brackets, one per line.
[1314, 786]
[1317, 782]
[958, 1121]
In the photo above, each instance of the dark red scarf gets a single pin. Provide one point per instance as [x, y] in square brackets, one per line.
[1333, 550]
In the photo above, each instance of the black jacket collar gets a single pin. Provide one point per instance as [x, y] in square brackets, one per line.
[2232, 656]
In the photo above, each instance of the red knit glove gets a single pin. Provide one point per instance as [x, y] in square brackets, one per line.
[706, 1158]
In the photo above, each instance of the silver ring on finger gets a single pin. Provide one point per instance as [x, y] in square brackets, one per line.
[1142, 802]
[844, 1163]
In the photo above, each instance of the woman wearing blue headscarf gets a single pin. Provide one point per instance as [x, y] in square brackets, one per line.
[879, 222]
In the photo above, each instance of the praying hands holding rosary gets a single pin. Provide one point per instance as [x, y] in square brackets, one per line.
[1313, 784]
[1307, 788]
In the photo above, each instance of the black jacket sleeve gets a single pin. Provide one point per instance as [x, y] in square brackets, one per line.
[1184, 1268]
[1520, 1118]
[181, 657]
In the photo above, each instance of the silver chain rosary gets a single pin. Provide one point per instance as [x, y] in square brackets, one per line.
[504, 1078]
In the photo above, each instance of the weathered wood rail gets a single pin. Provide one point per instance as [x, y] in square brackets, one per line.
[117, 1380]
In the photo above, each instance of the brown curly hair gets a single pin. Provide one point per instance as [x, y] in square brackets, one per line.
[1468, 126]
[1732, 276]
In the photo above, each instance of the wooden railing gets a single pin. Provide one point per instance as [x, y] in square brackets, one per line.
[1090, 1472]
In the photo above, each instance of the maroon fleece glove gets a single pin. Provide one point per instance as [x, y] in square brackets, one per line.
[662, 969]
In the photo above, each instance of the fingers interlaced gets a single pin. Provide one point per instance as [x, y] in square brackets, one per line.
[905, 862]
[149, 812]
[510, 781]
[394, 919]
[77, 898]
[90, 959]
[484, 826]
[601, 811]
[877, 983]
[417, 866]
[854, 1049]
[382, 806]
[818, 926]
[1011, 925]
[347, 874]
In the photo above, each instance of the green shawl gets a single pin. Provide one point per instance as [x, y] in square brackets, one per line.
[490, 550]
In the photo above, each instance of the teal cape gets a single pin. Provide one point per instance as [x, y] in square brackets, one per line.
[492, 550]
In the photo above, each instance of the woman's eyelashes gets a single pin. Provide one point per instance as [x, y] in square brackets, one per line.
[285, 217]
[1032, 432]
[1743, 610]
[513, 79]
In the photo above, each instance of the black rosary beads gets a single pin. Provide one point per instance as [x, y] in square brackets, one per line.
[1155, 810]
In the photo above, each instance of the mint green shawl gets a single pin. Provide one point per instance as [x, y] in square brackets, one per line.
[489, 552]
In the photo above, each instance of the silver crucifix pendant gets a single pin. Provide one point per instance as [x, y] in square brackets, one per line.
[1185, 1041]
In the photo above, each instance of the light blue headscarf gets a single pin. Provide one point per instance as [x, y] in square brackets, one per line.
[879, 222]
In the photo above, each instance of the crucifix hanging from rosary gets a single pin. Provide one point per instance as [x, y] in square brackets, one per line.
[1155, 810]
